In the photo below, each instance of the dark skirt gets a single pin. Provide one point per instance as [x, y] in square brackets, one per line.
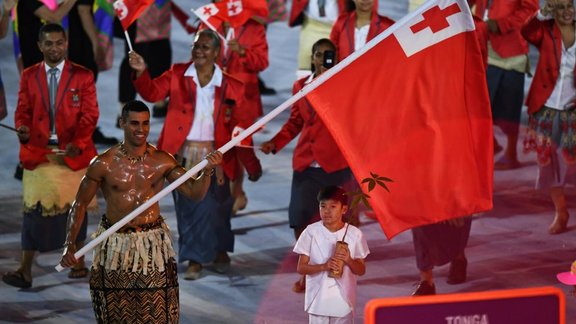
[47, 233]
[438, 244]
[506, 89]
[204, 227]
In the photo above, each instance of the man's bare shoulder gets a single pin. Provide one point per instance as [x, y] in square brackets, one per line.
[100, 164]
[161, 155]
[106, 156]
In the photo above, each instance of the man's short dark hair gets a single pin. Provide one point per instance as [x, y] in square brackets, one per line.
[50, 28]
[135, 106]
[333, 193]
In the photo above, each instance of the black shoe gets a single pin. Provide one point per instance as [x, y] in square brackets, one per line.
[424, 289]
[99, 138]
[19, 171]
[457, 274]
[159, 111]
[264, 90]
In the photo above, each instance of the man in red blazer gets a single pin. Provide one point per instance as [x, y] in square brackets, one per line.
[55, 148]
[507, 64]
[203, 111]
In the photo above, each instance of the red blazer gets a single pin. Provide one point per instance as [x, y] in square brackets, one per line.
[510, 16]
[76, 114]
[297, 11]
[252, 36]
[342, 34]
[546, 36]
[315, 142]
[182, 92]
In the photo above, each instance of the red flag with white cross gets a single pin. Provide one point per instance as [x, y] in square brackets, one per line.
[128, 11]
[236, 12]
[212, 14]
[412, 105]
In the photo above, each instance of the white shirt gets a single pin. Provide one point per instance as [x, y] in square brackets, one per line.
[60, 67]
[203, 124]
[360, 36]
[563, 94]
[324, 295]
[312, 11]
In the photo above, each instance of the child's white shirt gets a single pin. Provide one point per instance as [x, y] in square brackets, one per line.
[324, 295]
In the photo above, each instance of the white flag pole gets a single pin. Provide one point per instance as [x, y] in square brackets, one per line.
[128, 40]
[247, 132]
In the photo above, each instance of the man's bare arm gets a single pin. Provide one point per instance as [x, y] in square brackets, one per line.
[88, 188]
[196, 187]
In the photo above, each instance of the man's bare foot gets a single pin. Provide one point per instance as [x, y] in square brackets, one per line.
[560, 223]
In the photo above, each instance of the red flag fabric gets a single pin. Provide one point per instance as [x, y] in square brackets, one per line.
[212, 14]
[129, 10]
[236, 12]
[415, 108]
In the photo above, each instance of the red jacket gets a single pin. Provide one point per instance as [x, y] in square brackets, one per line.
[76, 114]
[510, 15]
[252, 36]
[297, 11]
[182, 92]
[546, 36]
[342, 34]
[315, 142]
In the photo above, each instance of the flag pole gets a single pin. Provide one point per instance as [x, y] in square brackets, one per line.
[247, 132]
[128, 40]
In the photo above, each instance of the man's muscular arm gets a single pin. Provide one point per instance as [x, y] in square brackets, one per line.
[88, 188]
[195, 187]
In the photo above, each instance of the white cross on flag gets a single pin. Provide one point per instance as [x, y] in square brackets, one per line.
[207, 12]
[412, 105]
[236, 12]
[234, 8]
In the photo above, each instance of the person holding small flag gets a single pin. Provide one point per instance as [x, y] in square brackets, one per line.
[245, 54]
[204, 108]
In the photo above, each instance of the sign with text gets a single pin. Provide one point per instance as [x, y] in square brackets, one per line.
[542, 305]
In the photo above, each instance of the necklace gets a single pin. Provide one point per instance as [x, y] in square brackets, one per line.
[131, 158]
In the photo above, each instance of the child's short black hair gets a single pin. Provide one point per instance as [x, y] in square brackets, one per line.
[334, 193]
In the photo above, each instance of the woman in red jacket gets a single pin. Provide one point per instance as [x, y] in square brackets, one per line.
[359, 24]
[244, 56]
[551, 103]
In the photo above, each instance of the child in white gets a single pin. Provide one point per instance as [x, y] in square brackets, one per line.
[329, 300]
